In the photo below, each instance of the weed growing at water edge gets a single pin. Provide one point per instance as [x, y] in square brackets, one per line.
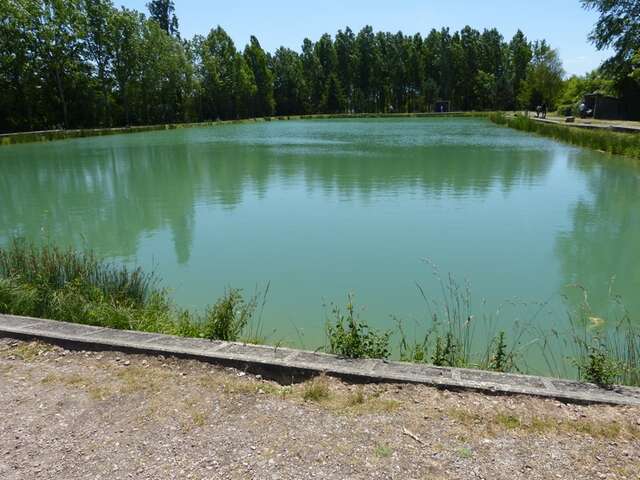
[607, 347]
[597, 367]
[352, 338]
[448, 340]
[501, 359]
[229, 316]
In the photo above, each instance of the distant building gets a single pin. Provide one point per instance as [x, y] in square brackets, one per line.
[604, 107]
[442, 106]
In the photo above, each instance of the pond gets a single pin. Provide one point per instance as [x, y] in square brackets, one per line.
[320, 208]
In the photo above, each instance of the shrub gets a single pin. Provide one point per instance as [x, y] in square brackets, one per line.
[446, 352]
[501, 359]
[597, 366]
[567, 110]
[352, 338]
[227, 319]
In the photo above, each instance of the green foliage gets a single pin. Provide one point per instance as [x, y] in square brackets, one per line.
[602, 354]
[17, 298]
[521, 53]
[226, 80]
[352, 338]
[598, 367]
[635, 67]
[543, 82]
[446, 339]
[77, 287]
[447, 352]
[333, 99]
[263, 103]
[86, 63]
[228, 318]
[50, 269]
[510, 422]
[617, 28]
[576, 87]
[163, 12]
[501, 359]
[411, 350]
[452, 324]
[290, 85]
[465, 452]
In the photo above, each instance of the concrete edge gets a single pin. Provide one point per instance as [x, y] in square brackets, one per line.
[284, 364]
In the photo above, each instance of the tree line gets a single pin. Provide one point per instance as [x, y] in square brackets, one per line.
[86, 63]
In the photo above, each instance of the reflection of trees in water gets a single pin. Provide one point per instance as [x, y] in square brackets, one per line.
[604, 241]
[106, 198]
[111, 196]
[436, 171]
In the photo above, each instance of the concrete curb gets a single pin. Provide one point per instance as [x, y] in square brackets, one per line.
[285, 363]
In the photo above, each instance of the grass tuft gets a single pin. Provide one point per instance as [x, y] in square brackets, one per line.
[383, 451]
[351, 337]
[317, 389]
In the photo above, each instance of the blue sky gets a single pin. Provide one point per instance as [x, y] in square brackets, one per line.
[285, 22]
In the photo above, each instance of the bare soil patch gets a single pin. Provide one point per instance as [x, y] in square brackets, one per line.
[108, 415]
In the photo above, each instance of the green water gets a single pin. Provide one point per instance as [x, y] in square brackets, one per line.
[322, 208]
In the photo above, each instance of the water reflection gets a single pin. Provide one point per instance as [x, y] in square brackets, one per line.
[602, 246]
[110, 192]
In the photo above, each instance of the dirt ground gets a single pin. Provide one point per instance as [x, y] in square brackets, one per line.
[108, 415]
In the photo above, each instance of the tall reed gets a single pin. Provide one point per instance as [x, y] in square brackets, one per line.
[448, 334]
[73, 286]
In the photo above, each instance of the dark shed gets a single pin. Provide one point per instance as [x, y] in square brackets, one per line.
[604, 106]
[442, 106]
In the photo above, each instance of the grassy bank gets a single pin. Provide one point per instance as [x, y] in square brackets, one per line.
[51, 135]
[77, 287]
[627, 144]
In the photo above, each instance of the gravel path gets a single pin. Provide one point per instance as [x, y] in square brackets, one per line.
[108, 415]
